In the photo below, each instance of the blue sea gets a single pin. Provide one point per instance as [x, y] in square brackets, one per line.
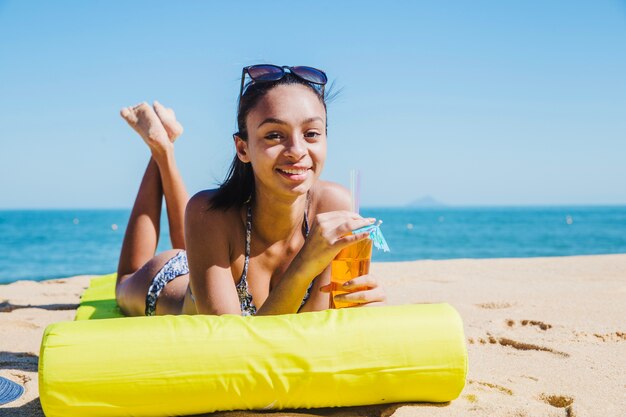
[41, 244]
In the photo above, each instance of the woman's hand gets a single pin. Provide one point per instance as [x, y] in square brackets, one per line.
[329, 233]
[365, 290]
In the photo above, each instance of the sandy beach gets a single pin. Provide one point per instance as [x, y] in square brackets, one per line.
[545, 336]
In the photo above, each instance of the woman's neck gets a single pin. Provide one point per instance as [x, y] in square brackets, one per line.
[275, 218]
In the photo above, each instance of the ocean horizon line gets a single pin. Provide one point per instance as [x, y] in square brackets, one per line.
[366, 207]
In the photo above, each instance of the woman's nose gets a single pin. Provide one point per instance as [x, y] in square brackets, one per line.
[295, 148]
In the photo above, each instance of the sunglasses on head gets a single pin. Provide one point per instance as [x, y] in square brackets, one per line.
[268, 73]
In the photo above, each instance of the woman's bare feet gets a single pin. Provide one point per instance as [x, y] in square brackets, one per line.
[168, 119]
[144, 120]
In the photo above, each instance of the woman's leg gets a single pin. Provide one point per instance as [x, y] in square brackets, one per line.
[138, 265]
[176, 196]
[142, 232]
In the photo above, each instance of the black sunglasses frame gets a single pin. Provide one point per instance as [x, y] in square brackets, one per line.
[246, 70]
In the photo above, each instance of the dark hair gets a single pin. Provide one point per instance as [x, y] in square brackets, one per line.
[238, 187]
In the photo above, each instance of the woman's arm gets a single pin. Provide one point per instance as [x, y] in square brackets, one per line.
[365, 290]
[206, 240]
[318, 300]
[331, 230]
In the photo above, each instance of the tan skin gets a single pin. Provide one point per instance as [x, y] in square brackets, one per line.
[286, 146]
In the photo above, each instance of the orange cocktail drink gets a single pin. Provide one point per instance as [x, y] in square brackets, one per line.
[350, 262]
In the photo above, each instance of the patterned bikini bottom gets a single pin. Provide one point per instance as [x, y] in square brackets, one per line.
[173, 268]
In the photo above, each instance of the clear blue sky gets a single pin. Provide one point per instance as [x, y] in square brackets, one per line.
[481, 102]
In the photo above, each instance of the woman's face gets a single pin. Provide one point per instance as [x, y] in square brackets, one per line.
[286, 140]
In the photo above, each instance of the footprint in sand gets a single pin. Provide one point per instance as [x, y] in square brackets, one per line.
[495, 305]
[611, 337]
[490, 339]
[492, 386]
[529, 346]
[603, 337]
[540, 324]
[503, 341]
[471, 398]
[22, 377]
[559, 401]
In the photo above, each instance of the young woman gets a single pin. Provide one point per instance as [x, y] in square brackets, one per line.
[261, 243]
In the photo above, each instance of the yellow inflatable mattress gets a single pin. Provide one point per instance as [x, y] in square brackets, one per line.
[183, 365]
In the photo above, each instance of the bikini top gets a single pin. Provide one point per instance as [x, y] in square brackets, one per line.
[245, 298]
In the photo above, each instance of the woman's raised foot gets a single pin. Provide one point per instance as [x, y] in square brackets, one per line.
[168, 118]
[144, 120]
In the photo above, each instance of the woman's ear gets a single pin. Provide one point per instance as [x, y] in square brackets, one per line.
[242, 149]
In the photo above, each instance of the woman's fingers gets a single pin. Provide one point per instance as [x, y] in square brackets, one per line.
[363, 281]
[350, 239]
[364, 289]
[335, 229]
[354, 224]
[362, 297]
[344, 222]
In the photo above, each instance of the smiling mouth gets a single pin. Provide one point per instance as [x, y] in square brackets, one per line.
[297, 171]
[294, 174]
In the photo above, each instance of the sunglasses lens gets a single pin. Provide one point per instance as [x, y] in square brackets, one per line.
[265, 72]
[310, 74]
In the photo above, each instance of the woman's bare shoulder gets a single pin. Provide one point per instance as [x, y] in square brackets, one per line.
[199, 205]
[200, 212]
[330, 196]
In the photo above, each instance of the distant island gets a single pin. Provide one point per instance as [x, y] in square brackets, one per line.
[426, 201]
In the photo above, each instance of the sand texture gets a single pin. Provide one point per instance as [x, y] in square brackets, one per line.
[545, 336]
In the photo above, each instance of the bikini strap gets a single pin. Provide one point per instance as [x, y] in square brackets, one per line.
[248, 238]
[245, 298]
[306, 219]
[306, 224]
[306, 235]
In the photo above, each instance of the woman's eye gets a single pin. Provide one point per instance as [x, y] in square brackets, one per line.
[273, 135]
[312, 134]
